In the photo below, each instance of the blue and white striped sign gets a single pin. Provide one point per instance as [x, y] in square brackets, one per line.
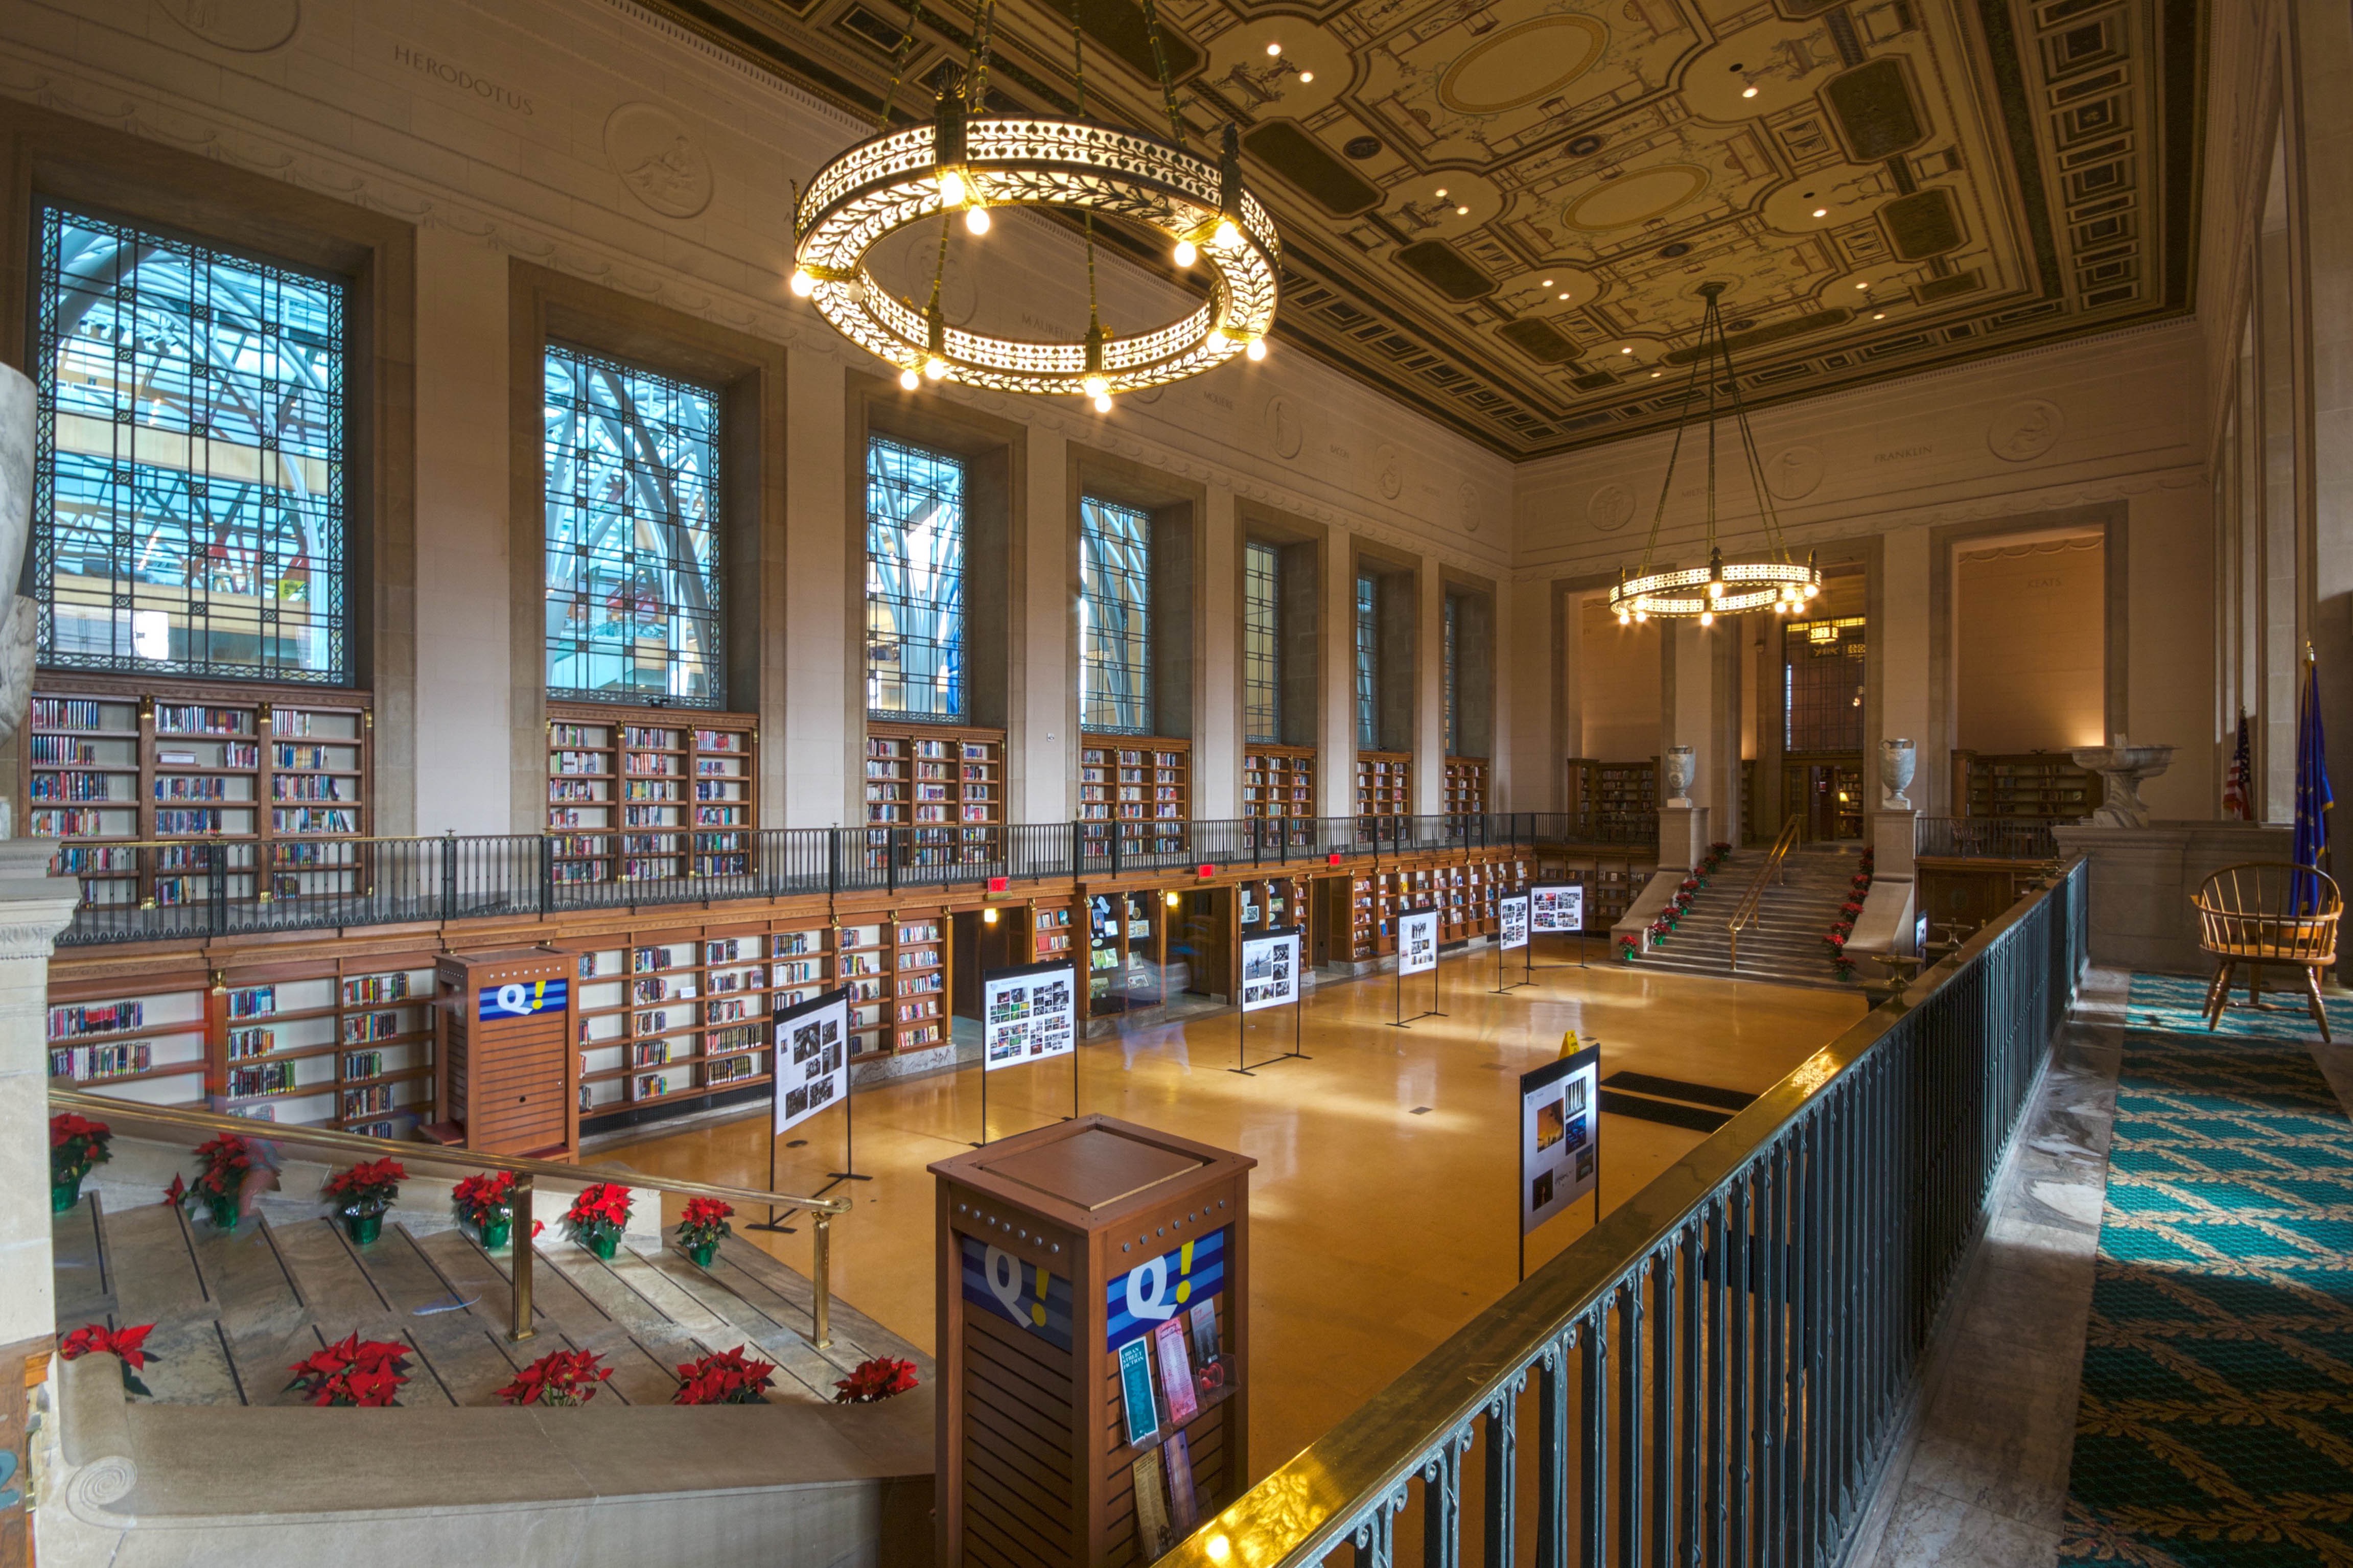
[1017, 1290]
[1137, 1302]
[520, 999]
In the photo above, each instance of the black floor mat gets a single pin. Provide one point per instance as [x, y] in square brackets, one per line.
[1676, 1089]
[1661, 1110]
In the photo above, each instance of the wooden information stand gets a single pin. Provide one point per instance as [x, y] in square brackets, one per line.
[508, 1071]
[1065, 1256]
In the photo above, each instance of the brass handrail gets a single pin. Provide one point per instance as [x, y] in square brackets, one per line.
[1774, 870]
[521, 1166]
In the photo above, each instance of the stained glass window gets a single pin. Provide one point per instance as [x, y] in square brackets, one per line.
[1368, 699]
[1262, 647]
[188, 512]
[1114, 619]
[914, 584]
[632, 542]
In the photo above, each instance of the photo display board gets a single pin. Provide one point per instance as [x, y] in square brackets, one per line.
[1560, 1135]
[1557, 910]
[1027, 1015]
[1271, 969]
[812, 1066]
[1417, 942]
[1512, 921]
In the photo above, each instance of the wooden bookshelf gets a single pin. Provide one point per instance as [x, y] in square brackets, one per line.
[1140, 786]
[346, 1045]
[1127, 952]
[636, 793]
[1278, 782]
[1050, 932]
[2025, 783]
[1466, 786]
[1365, 907]
[1384, 784]
[945, 784]
[1626, 794]
[277, 775]
[676, 1013]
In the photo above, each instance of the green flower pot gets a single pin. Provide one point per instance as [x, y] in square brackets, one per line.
[363, 1227]
[703, 1253]
[64, 1194]
[604, 1246]
[224, 1212]
[496, 1233]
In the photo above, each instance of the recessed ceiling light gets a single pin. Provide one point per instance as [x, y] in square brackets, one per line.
[1460, 212]
[1747, 92]
[1441, 192]
[1656, 373]
[1864, 284]
[1274, 48]
[1564, 296]
[1879, 315]
[1307, 77]
[1546, 284]
[1821, 212]
[1625, 351]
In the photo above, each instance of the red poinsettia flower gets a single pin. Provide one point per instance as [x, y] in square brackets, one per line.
[368, 1187]
[76, 1144]
[483, 1198]
[875, 1380]
[175, 1192]
[704, 1222]
[354, 1373]
[599, 1212]
[560, 1377]
[724, 1377]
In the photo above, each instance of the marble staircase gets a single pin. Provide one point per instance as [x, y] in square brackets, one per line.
[1784, 945]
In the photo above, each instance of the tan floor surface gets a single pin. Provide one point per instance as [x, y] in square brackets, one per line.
[1378, 1227]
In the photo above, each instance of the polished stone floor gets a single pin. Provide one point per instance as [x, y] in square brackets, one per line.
[1382, 1205]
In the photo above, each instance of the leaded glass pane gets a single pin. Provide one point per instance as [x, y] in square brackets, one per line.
[1369, 704]
[632, 534]
[1114, 619]
[914, 584]
[1261, 650]
[188, 513]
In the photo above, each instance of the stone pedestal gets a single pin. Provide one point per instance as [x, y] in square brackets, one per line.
[2144, 877]
[1682, 836]
[1894, 843]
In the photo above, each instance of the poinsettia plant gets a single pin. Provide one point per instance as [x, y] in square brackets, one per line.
[704, 1222]
[127, 1346]
[559, 1377]
[724, 1377]
[599, 1215]
[76, 1144]
[486, 1199]
[353, 1372]
[1630, 947]
[875, 1380]
[228, 1160]
[366, 1189]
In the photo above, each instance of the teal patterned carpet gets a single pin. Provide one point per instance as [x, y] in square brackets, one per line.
[2217, 1417]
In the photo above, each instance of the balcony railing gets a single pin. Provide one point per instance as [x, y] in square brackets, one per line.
[193, 889]
[1717, 1372]
[1992, 837]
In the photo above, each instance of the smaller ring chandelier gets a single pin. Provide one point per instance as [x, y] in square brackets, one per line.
[1721, 587]
[966, 161]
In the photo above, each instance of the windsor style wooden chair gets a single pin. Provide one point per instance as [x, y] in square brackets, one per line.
[2248, 916]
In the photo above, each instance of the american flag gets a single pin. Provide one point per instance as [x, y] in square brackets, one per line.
[2238, 802]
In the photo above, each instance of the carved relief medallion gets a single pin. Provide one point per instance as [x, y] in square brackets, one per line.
[1611, 508]
[655, 157]
[249, 26]
[2025, 430]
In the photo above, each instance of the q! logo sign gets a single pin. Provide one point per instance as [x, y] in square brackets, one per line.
[1026, 1293]
[1158, 1289]
[521, 999]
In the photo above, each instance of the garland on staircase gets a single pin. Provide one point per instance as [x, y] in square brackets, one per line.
[1859, 888]
[1670, 918]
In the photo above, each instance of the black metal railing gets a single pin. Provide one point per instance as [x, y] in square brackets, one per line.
[195, 889]
[1992, 837]
[1720, 1367]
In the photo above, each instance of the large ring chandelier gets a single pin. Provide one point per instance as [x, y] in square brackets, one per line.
[1721, 587]
[968, 162]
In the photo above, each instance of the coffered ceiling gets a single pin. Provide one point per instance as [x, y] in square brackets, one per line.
[1501, 211]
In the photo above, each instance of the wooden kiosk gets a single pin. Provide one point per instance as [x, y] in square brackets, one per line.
[1073, 1264]
[507, 1071]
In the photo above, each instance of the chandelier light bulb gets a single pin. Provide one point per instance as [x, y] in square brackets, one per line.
[975, 219]
[1256, 351]
[1228, 236]
[910, 380]
[1715, 590]
[1641, 614]
[1708, 617]
[1187, 252]
[1103, 403]
[802, 285]
[935, 367]
[1096, 386]
[1623, 617]
[952, 190]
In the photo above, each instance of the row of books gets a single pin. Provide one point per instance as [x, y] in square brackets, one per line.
[95, 1018]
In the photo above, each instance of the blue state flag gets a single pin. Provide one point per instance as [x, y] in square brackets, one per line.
[2314, 798]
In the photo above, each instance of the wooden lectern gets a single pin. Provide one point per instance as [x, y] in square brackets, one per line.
[507, 1069]
[1093, 1381]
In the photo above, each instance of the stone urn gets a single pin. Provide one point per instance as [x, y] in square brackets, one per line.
[1898, 760]
[1683, 766]
[2121, 768]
